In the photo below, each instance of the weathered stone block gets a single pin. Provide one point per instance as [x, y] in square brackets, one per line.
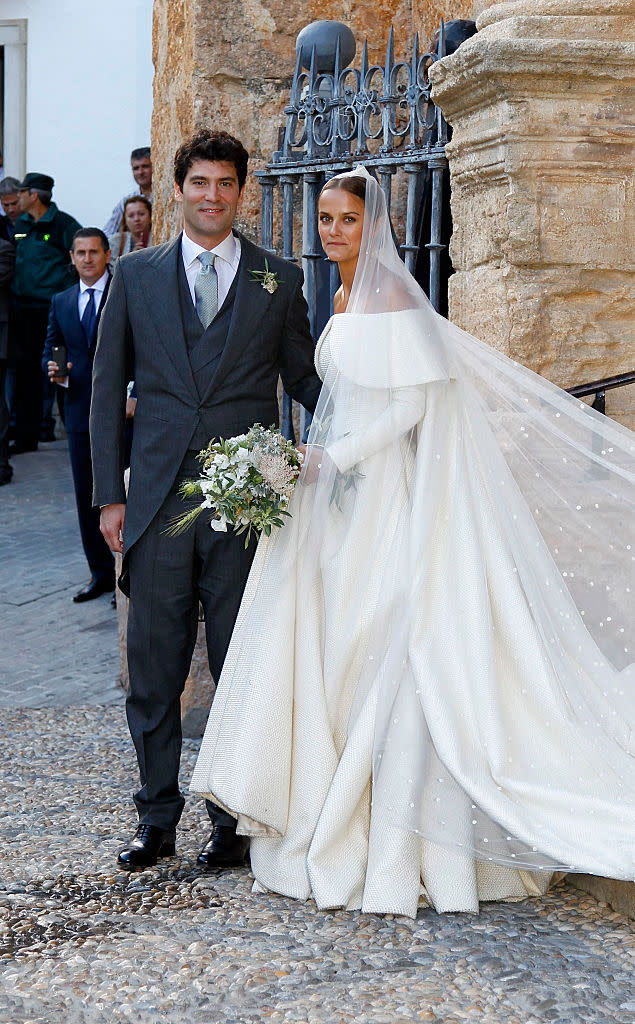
[542, 187]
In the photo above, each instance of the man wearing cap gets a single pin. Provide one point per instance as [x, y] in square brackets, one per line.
[44, 237]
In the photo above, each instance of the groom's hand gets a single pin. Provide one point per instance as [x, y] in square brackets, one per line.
[111, 526]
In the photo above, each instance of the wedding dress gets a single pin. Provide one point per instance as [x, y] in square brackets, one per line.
[428, 695]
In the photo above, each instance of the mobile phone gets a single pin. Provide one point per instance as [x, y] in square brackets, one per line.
[58, 355]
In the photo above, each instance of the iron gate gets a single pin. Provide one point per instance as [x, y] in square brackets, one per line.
[381, 116]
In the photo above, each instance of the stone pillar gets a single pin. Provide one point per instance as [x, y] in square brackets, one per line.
[542, 169]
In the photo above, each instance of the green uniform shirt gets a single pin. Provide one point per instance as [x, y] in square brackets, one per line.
[42, 263]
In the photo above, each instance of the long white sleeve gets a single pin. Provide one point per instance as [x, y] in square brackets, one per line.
[405, 409]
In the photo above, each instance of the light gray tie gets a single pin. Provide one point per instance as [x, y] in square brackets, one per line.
[206, 289]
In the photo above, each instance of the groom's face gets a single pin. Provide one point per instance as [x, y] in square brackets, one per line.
[209, 197]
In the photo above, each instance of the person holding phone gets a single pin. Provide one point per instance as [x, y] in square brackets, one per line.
[136, 227]
[68, 360]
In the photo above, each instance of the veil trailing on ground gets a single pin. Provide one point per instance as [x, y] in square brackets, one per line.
[463, 428]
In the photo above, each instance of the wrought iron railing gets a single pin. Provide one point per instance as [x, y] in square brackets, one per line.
[381, 116]
[598, 388]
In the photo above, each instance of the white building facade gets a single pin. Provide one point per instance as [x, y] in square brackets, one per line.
[76, 96]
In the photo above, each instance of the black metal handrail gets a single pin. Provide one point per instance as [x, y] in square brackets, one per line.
[600, 387]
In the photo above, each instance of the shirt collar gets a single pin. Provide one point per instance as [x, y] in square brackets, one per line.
[50, 213]
[226, 250]
[26, 218]
[98, 286]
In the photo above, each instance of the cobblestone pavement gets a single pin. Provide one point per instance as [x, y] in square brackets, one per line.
[52, 652]
[81, 943]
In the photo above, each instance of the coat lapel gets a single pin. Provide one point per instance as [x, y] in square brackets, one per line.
[72, 312]
[250, 305]
[159, 280]
[93, 339]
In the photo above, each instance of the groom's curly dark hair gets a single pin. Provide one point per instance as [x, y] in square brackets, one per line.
[206, 144]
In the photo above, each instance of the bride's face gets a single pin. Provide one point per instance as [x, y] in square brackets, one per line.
[340, 223]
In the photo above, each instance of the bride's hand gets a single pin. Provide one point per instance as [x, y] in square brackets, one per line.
[316, 461]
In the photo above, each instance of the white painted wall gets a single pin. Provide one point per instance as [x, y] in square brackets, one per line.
[88, 96]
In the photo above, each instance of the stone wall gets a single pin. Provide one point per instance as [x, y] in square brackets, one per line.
[542, 187]
[230, 65]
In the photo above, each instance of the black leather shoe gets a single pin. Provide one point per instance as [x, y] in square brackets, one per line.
[94, 589]
[146, 846]
[223, 849]
[6, 476]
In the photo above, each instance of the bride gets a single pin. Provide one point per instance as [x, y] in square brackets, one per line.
[428, 696]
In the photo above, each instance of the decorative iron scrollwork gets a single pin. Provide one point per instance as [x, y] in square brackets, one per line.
[339, 113]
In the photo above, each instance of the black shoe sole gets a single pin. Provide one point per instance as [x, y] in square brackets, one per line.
[224, 866]
[81, 598]
[166, 850]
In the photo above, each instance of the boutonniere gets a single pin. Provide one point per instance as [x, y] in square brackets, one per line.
[267, 278]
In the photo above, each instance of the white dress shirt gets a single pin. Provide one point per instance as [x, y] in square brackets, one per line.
[83, 298]
[227, 259]
[98, 287]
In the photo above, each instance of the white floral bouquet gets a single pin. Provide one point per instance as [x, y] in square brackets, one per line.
[246, 482]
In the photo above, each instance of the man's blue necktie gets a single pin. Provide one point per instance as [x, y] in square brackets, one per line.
[89, 315]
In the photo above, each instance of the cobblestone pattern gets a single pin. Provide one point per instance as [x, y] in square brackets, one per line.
[84, 944]
[52, 652]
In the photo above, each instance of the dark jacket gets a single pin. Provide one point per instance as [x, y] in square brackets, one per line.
[43, 263]
[7, 264]
[7, 229]
[141, 336]
[64, 328]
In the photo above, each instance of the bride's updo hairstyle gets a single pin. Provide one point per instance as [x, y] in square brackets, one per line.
[353, 183]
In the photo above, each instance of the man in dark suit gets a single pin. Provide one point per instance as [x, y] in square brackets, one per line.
[7, 266]
[205, 344]
[73, 321]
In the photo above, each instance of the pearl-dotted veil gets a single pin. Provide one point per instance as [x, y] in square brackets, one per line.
[498, 581]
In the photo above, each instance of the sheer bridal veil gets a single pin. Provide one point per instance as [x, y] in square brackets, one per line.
[493, 603]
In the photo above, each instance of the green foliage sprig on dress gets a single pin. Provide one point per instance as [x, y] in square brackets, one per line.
[246, 482]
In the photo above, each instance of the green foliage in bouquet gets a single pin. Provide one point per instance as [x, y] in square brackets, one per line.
[246, 482]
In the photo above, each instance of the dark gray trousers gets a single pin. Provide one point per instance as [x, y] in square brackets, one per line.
[168, 578]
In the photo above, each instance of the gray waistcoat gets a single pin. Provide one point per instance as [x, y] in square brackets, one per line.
[204, 347]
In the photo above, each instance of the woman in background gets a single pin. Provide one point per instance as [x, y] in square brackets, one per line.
[135, 231]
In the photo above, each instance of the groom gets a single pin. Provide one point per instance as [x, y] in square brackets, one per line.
[205, 343]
